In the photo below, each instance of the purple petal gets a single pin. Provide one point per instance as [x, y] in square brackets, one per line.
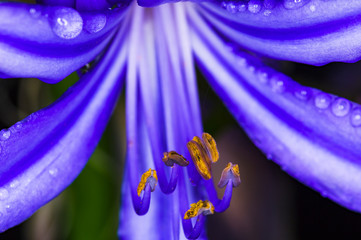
[311, 32]
[51, 42]
[314, 136]
[42, 154]
[91, 5]
[65, 3]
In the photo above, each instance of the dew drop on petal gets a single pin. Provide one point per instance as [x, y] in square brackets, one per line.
[254, 6]
[322, 100]
[8, 208]
[303, 93]
[14, 184]
[53, 172]
[35, 12]
[231, 7]
[5, 134]
[241, 7]
[277, 85]
[312, 8]
[4, 194]
[340, 107]
[95, 23]
[18, 125]
[267, 13]
[294, 4]
[66, 23]
[355, 117]
[262, 76]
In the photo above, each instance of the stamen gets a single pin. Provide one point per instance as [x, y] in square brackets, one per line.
[204, 152]
[169, 158]
[210, 146]
[200, 159]
[201, 207]
[230, 173]
[148, 178]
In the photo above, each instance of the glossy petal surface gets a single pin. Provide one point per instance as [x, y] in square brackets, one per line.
[313, 136]
[51, 42]
[42, 154]
[314, 32]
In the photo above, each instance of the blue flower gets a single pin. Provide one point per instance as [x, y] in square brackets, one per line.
[151, 48]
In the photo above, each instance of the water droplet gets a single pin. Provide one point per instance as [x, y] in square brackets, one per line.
[4, 194]
[322, 100]
[18, 125]
[231, 7]
[53, 172]
[242, 7]
[35, 12]
[31, 117]
[254, 6]
[294, 4]
[340, 107]
[5, 134]
[277, 85]
[303, 93]
[66, 23]
[8, 208]
[267, 13]
[262, 76]
[95, 23]
[312, 8]
[14, 184]
[356, 117]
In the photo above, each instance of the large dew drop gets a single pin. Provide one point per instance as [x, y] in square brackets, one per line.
[356, 117]
[254, 6]
[66, 23]
[94, 23]
[341, 107]
[323, 100]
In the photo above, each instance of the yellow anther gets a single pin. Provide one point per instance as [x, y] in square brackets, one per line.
[200, 159]
[231, 172]
[201, 207]
[169, 158]
[198, 140]
[211, 146]
[203, 152]
[149, 177]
